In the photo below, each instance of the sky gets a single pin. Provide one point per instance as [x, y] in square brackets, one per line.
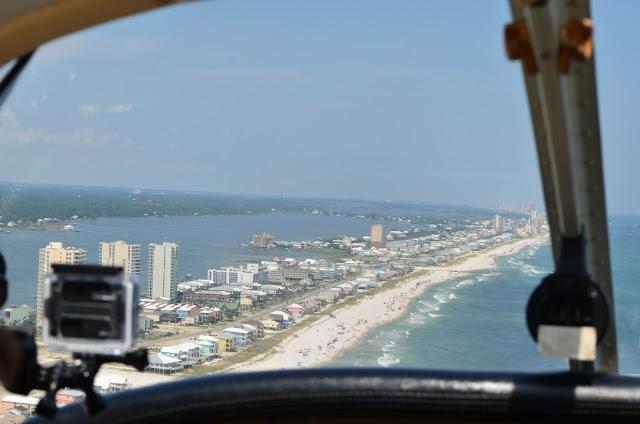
[376, 99]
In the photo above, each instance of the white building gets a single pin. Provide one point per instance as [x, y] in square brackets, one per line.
[162, 279]
[189, 353]
[54, 253]
[252, 274]
[163, 364]
[109, 383]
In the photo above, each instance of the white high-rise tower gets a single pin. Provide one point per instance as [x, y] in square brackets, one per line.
[162, 277]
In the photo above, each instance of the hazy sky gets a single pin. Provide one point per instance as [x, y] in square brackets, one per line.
[381, 99]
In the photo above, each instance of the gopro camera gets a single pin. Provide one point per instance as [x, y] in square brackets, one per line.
[90, 309]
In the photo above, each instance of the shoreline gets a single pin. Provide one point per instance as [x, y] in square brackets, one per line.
[328, 337]
[349, 323]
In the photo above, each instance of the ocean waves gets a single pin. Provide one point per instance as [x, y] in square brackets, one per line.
[425, 306]
[442, 297]
[386, 360]
[487, 276]
[528, 269]
[448, 320]
[468, 282]
[390, 343]
[439, 306]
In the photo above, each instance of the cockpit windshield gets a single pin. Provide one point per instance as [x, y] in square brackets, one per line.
[304, 184]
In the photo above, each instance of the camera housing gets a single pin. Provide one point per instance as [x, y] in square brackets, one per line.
[90, 309]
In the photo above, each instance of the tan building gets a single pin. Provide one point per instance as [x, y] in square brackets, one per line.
[122, 254]
[378, 235]
[246, 302]
[270, 324]
[54, 253]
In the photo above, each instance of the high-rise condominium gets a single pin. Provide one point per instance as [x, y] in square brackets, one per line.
[162, 276]
[54, 253]
[498, 223]
[378, 235]
[122, 254]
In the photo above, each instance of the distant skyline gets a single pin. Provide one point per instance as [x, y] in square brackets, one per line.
[370, 99]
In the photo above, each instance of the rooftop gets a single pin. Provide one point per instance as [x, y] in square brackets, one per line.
[235, 330]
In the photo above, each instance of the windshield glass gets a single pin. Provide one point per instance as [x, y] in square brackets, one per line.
[303, 184]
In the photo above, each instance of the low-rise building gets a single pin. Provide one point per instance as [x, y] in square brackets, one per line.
[329, 296]
[68, 396]
[209, 315]
[209, 345]
[226, 343]
[18, 316]
[280, 275]
[206, 297]
[14, 401]
[240, 334]
[188, 314]
[348, 288]
[282, 318]
[110, 383]
[163, 364]
[246, 302]
[257, 325]
[253, 331]
[189, 353]
[270, 324]
[272, 289]
[252, 274]
[169, 313]
[295, 309]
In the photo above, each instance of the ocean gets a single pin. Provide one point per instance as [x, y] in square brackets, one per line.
[478, 321]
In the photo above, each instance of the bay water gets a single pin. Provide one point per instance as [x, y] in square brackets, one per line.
[205, 242]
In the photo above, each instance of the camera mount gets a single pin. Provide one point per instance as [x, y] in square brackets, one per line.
[21, 373]
[81, 375]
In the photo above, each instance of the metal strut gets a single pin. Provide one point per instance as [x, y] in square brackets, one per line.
[554, 41]
[7, 83]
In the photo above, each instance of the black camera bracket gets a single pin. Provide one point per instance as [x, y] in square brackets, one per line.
[21, 373]
[81, 375]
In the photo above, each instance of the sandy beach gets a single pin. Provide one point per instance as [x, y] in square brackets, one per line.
[324, 339]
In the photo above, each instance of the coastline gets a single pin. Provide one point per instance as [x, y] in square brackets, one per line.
[323, 340]
[349, 324]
